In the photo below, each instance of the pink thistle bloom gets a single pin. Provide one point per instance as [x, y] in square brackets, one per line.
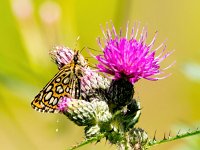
[91, 83]
[130, 58]
[62, 55]
[64, 103]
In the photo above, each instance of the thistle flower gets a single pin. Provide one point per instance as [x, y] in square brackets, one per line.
[64, 103]
[61, 55]
[94, 85]
[85, 113]
[79, 111]
[138, 138]
[129, 58]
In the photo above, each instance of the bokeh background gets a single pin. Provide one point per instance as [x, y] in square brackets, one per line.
[30, 28]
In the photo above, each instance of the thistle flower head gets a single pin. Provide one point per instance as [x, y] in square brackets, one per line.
[64, 103]
[127, 57]
[61, 55]
[85, 113]
[93, 85]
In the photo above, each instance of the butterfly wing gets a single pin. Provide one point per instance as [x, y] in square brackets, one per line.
[64, 84]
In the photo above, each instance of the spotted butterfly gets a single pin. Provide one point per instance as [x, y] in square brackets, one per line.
[66, 83]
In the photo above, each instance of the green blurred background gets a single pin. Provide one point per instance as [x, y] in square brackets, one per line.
[30, 28]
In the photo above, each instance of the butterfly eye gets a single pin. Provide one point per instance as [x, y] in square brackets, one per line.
[75, 58]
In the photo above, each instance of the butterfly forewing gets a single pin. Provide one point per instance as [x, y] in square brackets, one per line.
[64, 84]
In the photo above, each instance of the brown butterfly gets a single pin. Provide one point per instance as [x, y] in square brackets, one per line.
[66, 83]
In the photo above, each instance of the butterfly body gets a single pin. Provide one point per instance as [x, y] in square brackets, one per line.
[66, 83]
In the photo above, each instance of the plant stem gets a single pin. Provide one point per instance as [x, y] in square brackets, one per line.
[87, 141]
[168, 139]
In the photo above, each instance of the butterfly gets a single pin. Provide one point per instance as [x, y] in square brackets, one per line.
[66, 83]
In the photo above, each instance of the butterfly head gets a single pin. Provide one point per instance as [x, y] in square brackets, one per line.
[78, 59]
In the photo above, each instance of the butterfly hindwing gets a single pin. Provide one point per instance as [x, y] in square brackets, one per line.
[64, 84]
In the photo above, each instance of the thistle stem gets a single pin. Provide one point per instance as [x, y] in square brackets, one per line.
[87, 141]
[178, 136]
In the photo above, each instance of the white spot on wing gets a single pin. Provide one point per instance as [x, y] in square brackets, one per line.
[49, 88]
[51, 100]
[59, 89]
[65, 80]
[58, 79]
[55, 101]
[48, 96]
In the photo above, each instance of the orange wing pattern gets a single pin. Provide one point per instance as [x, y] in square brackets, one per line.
[64, 83]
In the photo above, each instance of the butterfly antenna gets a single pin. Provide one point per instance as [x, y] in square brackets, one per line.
[82, 49]
[94, 49]
[92, 66]
[76, 43]
[88, 57]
